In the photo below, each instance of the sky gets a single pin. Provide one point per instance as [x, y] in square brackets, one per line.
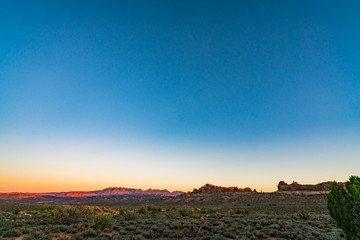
[176, 94]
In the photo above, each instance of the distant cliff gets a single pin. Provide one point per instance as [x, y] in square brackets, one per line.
[209, 188]
[113, 191]
[324, 186]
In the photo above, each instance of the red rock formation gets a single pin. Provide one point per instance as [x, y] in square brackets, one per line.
[209, 188]
[324, 186]
[247, 189]
[70, 194]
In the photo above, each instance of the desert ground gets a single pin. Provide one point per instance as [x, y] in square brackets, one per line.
[237, 215]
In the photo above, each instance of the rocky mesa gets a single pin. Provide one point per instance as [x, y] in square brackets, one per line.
[295, 186]
[209, 188]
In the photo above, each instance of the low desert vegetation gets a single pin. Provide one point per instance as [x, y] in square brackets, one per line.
[306, 217]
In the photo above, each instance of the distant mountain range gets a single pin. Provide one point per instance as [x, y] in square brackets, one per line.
[121, 194]
[112, 191]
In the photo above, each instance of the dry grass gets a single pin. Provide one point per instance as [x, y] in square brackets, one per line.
[235, 216]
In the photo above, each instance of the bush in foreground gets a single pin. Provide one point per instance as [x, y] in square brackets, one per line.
[304, 214]
[101, 222]
[70, 215]
[344, 206]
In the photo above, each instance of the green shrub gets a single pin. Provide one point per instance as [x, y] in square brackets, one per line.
[70, 215]
[36, 236]
[229, 234]
[116, 237]
[211, 210]
[12, 233]
[218, 237]
[121, 211]
[34, 213]
[204, 210]
[304, 214]
[89, 233]
[344, 206]
[16, 211]
[47, 208]
[130, 216]
[242, 211]
[101, 222]
[136, 237]
[142, 210]
[172, 209]
[76, 237]
[153, 210]
[185, 212]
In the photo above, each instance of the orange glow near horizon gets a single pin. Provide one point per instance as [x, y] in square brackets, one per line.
[70, 166]
[40, 186]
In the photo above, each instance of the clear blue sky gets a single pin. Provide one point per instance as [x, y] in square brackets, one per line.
[198, 77]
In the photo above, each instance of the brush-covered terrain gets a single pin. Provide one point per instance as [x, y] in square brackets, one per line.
[194, 216]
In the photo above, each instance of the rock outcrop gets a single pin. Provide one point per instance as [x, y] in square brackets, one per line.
[295, 186]
[209, 188]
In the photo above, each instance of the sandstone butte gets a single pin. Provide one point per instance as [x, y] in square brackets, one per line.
[209, 188]
[294, 186]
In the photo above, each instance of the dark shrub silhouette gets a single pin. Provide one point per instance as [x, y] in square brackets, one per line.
[344, 206]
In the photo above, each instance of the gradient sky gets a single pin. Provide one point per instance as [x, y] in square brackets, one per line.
[176, 94]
